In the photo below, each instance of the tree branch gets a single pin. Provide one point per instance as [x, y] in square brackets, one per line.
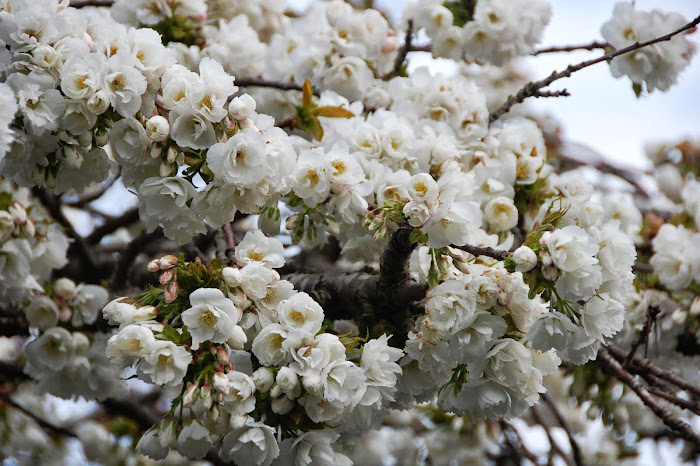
[44, 424]
[652, 312]
[230, 251]
[84, 3]
[554, 446]
[575, 449]
[128, 255]
[112, 225]
[393, 264]
[641, 365]
[259, 82]
[476, 251]
[403, 51]
[53, 205]
[610, 365]
[532, 88]
[570, 48]
[88, 198]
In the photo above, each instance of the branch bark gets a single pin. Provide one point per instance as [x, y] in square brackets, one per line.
[403, 51]
[533, 88]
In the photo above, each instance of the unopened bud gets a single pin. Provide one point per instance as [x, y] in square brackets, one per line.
[166, 276]
[19, 214]
[171, 290]
[168, 262]
[550, 272]
[64, 287]
[232, 276]
[221, 383]
[157, 128]
[101, 137]
[525, 259]
[190, 394]
[241, 107]
[154, 265]
[28, 228]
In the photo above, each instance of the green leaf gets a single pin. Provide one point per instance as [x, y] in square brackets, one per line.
[417, 236]
[170, 334]
[5, 200]
[332, 112]
[312, 126]
[637, 88]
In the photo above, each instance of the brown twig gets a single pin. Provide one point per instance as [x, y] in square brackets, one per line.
[110, 226]
[84, 3]
[281, 85]
[484, 251]
[575, 449]
[44, 424]
[520, 449]
[676, 400]
[570, 48]
[88, 198]
[403, 51]
[640, 365]
[80, 246]
[532, 88]
[555, 449]
[230, 252]
[610, 365]
[643, 339]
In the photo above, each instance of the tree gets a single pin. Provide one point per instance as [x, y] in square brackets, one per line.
[325, 245]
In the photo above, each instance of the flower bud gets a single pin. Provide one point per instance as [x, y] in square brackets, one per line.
[525, 259]
[72, 156]
[64, 288]
[241, 107]
[171, 290]
[157, 128]
[287, 380]
[19, 214]
[101, 137]
[7, 225]
[263, 379]
[168, 262]
[156, 150]
[282, 405]
[166, 276]
[550, 272]
[275, 391]
[85, 139]
[205, 396]
[544, 239]
[190, 394]
[232, 276]
[221, 383]
[98, 103]
[154, 265]
[28, 228]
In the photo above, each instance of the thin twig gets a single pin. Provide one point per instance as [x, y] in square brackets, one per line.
[403, 51]
[570, 48]
[281, 85]
[53, 205]
[530, 89]
[44, 424]
[613, 367]
[88, 198]
[676, 400]
[230, 252]
[497, 254]
[554, 446]
[643, 339]
[522, 448]
[575, 449]
[641, 364]
[84, 3]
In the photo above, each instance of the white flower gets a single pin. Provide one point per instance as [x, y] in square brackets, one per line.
[343, 383]
[165, 363]
[379, 362]
[212, 316]
[256, 247]
[52, 351]
[288, 381]
[129, 344]
[194, 440]
[269, 346]
[602, 316]
[252, 445]
[241, 106]
[87, 302]
[263, 378]
[671, 256]
[309, 180]
[501, 213]
[157, 128]
[311, 359]
[42, 312]
[242, 160]
[313, 447]
[151, 445]
[123, 83]
[450, 306]
[241, 396]
[255, 277]
[452, 224]
[128, 141]
[525, 259]
[551, 330]
[164, 201]
[572, 248]
[301, 312]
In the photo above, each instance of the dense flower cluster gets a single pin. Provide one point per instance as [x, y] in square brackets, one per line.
[201, 341]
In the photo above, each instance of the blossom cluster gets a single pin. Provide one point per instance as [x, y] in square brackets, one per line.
[656, 66]
[201, 342]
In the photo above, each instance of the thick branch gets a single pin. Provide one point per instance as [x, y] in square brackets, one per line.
[532, 88]
[128, 255]
[393, 265]
[610, 365]
[570, 48]
[401, 57]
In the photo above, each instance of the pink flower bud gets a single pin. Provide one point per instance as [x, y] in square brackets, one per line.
[171, 290]
[154, 265]
[190, 394]
[168, 262]
[166, 276]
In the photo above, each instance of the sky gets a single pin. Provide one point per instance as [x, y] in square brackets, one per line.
[602, 112]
